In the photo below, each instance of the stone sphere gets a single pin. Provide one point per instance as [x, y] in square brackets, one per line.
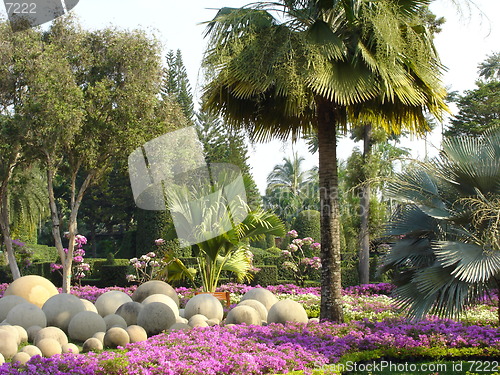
[115, 337]
[32, 350]
[70, 348]
[180, 326]
[26, 315]
[2, 359]
[61, 308]
[258, 306]
[13, 331]
[204, 304]
[287, 310]
[114, 320]
[163, 298]
[32, 331]
[155, 317]
[154, 287]
[129, 311]
[100, 336]
[51, 333]
[21, 357]
[243, 314]
[109, 302]
[91, 345]
[34, 289]
[181, 313]
[49, 347]
[136, 333]
[7, 303]
[89, 306]
[181, 320]
[8, 344]
[262, 295]
[85, 324]
[23, 334]
[198, 320]
[212, 322]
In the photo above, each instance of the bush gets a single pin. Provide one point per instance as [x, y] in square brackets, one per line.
[307, 224]
[43, 253]
[268, 275]
[113, 275]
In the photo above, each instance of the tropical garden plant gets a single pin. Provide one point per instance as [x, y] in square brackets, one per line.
[296, 258]
[446, 252]
[284, 68]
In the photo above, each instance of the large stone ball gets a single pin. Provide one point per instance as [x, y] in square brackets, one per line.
[154, 287]
[114, 320]
[61, 308]
[23, 334]
[32, 350]
[13, 331]
[7, 303]
[115, 337]
[287, 310]
[49, 347]
[243, 314]
[155, 317]
[26, 315]
[21, 357]
[35, 289]
[204, 304]
[129, 311]
[258, 306]
[136, 333]
[32, 331]
[51, 333]
[8, 344]
[264, 296]
[91, 345]
[109, 302]
[85, 324]
[163, 298]
[89, 306]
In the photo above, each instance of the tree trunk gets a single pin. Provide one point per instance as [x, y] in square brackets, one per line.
[331, 286]
[7, 240]
[364, 203]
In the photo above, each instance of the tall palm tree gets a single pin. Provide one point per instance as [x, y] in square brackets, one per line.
[289, 175]
[284, 68]
[447, 251]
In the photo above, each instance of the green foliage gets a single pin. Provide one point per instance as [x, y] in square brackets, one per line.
[176, 84]
[113, 275]
[151, 225]
[43, 253]
[307, 224]
[268, 275]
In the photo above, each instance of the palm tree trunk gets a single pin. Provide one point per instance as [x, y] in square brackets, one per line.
[331, 285]
[364, 203]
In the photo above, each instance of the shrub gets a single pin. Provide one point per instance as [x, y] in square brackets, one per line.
[268, 275]
[307, 224]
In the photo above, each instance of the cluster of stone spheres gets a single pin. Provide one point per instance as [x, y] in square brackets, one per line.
[38, 320]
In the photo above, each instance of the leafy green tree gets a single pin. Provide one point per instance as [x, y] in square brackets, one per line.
[323, 65]
[489, 69]
[446, 251]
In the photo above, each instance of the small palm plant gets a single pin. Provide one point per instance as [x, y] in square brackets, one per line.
[447, 251]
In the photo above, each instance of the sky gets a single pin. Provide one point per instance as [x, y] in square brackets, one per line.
[468, 37]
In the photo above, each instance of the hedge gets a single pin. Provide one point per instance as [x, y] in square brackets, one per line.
[268, 275]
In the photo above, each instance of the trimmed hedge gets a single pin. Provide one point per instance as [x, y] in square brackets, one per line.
[268, 275]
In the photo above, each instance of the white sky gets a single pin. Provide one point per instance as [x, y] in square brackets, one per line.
[465, 41]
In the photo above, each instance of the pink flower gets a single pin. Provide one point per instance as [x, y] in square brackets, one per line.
[80, 240]
[292, 247]
[316, 246]
[293, 233]
[159, 241]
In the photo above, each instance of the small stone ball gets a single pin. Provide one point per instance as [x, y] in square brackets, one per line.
[198, 320]
[23, 334]
[61, 308]
[2, 359]
[180, 326]
[163, 298]
[51, 333]
[114, 320]
[34, 289]
[213, 322]
[204, 304]
[49, 347]
[314, 320]
[32, 331]
[100, 336]
[182, 313]
[115, 337]
[264, 296]
[32, 350]
[8, 344]
[109, 302]
[89, 306]
[7, 303]
[70, 348]
[154, 287]
[21, 357]
[258, 306]
[26, 315]
[287, 310]
[85, 324]
[136, 333]
[181, 320]
[156, 317]
[129, 311]
[243, 314]
[13, 331]
[92, 344]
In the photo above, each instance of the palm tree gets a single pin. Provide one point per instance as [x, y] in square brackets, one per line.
[289, 175]
[447, 251]
[285, 68]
